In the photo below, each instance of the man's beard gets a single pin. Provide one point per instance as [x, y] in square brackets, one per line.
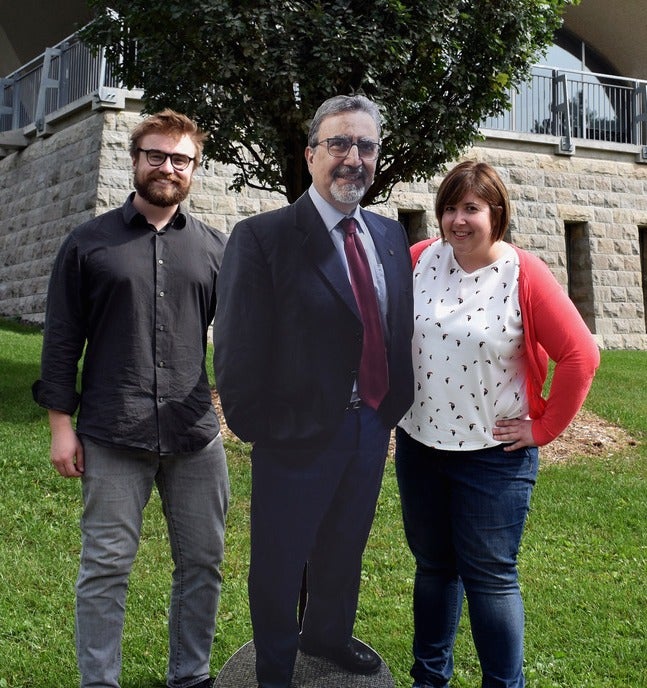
[163, 196]
[352, 192]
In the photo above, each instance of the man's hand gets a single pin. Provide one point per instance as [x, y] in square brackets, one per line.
[67, 451]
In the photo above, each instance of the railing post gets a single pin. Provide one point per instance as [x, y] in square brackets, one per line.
[14, 139]
[64, 83]
[640, 118]
[46, 82]
[561, 106]
[107, 97]
[5, 85]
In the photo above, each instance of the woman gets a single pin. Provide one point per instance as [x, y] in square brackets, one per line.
[487, 317]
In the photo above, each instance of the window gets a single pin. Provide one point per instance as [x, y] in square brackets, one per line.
[415, 224]
[642, 243]
[579, 270]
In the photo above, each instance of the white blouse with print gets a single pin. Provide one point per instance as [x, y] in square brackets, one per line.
[468, 350]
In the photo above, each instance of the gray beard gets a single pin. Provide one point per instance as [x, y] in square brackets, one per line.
[348, 193]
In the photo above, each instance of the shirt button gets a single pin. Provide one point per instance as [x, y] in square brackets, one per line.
[161, 364]
[161, 400]
[161, 293]
[161, 261]
[161, 328]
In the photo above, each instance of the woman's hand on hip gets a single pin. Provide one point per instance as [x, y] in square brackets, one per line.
[516, 433]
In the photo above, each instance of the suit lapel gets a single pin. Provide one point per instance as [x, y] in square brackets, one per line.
[321, 251]
[387, 251]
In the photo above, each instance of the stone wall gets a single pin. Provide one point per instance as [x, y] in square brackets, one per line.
[602, 191]
[607, 196]
[45, 190]
[83, 169]
[78, 171]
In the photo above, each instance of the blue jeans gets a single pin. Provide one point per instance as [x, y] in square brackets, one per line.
[117, 484]
[464, 515]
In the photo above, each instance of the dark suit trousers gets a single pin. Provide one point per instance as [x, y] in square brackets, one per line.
[316, 507]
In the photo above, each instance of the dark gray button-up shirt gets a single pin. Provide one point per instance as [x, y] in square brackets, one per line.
[140, 302]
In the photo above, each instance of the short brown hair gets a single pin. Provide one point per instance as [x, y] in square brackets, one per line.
[169, 123]
[483, 180]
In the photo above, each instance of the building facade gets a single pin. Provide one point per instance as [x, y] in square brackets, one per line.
[578, 187]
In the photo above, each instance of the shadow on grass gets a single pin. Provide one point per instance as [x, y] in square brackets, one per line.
[16, 402]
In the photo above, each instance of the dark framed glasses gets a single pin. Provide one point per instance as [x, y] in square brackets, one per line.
[339, 147]
[156, 158]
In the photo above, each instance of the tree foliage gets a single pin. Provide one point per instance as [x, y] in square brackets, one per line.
[252, 72]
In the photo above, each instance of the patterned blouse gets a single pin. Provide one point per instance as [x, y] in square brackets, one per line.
[468, 350]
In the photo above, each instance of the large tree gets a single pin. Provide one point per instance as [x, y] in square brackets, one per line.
[252, 72]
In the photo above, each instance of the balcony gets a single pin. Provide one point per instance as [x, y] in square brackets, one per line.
[567, 106]
[577, 106]
[62, 78]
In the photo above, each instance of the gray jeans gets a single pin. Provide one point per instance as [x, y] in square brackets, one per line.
[117, 484]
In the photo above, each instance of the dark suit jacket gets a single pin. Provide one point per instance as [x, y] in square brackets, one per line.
[287, 331]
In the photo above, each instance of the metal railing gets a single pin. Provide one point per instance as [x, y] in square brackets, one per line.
[567, 104]
[572, 104]
[59, 77]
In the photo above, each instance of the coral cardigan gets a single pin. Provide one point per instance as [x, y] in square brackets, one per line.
[553, 328]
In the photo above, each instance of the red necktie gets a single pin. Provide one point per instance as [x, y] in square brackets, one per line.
[373, 372]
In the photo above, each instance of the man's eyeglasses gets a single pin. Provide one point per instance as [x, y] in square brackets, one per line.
[157, 157]
[340, 146]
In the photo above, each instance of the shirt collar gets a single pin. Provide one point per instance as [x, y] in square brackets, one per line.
[134, 218]
[329, 214]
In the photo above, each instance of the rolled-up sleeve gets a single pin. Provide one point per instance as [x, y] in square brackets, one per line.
[65, 334]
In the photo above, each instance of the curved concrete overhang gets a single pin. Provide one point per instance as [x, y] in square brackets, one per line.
[29, 26]
[616, 30]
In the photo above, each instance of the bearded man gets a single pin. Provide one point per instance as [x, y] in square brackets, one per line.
[136, 289]
[312, 352]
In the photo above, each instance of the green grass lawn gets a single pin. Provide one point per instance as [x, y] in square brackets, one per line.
[583, 561]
